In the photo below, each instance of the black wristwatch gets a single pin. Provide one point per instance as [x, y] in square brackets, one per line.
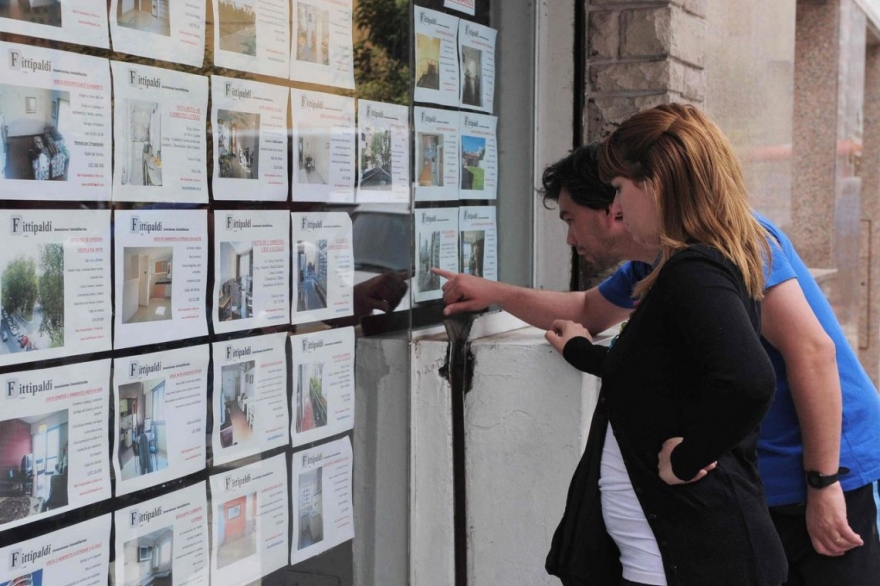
[816, 480]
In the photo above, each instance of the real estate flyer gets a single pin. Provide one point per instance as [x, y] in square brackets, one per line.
[161, 276]
[54, 436]
[249, 528]
[323, 147]
[253, 36]
[466, 6]
[54, 284]
[323, 384]
[323, 266]
[83, 22]
[479, 156]
[55, 124]
[437, 154]
[250, 140]
[479, 241]
[74, 556]
[251, 268]
[163, 540]
[436, 57]
[160, 146]
[476, 49]
[322, 43]
[321, 518]
[160, 29]
[250, 397]
[383, 144]
[437, 247]
[159, 416]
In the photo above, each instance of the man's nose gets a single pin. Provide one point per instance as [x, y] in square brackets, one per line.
[616, 210]
[569, 237]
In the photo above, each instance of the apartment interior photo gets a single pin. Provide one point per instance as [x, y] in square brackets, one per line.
[237, 412]
[148, 559]
[143, 438]
[236, 529]
[33, 465]
[146, 288]
[236, 292]
[33, 122]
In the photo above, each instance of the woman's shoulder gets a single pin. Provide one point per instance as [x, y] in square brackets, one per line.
[697, 262]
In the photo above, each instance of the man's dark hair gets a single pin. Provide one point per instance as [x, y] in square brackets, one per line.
[578, 173]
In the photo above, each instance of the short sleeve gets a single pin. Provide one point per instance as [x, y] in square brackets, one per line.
[617, 289]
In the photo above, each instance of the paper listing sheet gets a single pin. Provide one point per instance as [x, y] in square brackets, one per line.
[323, 266]
[161, 152]
[83, 22]
[253, 36]
[164, 540]
[476, 48]
[436, 57]
[383, 142]
[54, 436]
[321, 519]
[159, 419]
[55, 284]
[322, 43]
[437, 154]
[164, 30]
[323, 384]
[466, 6]
[479, 238]
[74, 556]
[323, 147]
[437, 238]
[55, 124]
[250, 397]
[161, 275]
[250, 522]
[250, 140]
[479, 156]
[251, 268]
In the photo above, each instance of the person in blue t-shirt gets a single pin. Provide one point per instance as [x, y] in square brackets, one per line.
[819, 451]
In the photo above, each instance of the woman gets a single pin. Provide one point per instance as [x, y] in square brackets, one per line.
[668, 491]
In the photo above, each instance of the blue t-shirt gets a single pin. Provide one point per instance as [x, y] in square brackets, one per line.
[780, 449]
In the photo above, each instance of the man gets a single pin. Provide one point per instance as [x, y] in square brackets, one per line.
[826, 414]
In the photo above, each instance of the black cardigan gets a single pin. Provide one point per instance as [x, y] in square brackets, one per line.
[689, 363]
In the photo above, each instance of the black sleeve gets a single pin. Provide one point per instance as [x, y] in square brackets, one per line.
[706, 305]
[584, 355]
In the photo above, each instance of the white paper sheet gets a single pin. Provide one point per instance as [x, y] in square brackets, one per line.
[479, 156]
[159, 417]
[322, 43]
[323, 266]
[437, 242]
[437, 79]
[466, 6]
[251, 269]
[438, 160]
[161, 275]
[479, 241]
[54, 434]
[249, 510]
[323, 384]
[56, 267]
[323, 147]
[476, 49]
[383, 145]
[164, 540]
[74, 556]
[83, 22]
[250, 397]
[161, 150]
[253, 36]
[250, 140]
[161, 29]
[55, 125]
[322, 510]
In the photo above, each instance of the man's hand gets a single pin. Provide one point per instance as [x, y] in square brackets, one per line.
[826, 521]
[465, 292]
[563, 330]
[664, 464]
[382, 292]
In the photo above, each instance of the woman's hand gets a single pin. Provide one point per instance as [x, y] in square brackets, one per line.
[664, 464]
[563, 330]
